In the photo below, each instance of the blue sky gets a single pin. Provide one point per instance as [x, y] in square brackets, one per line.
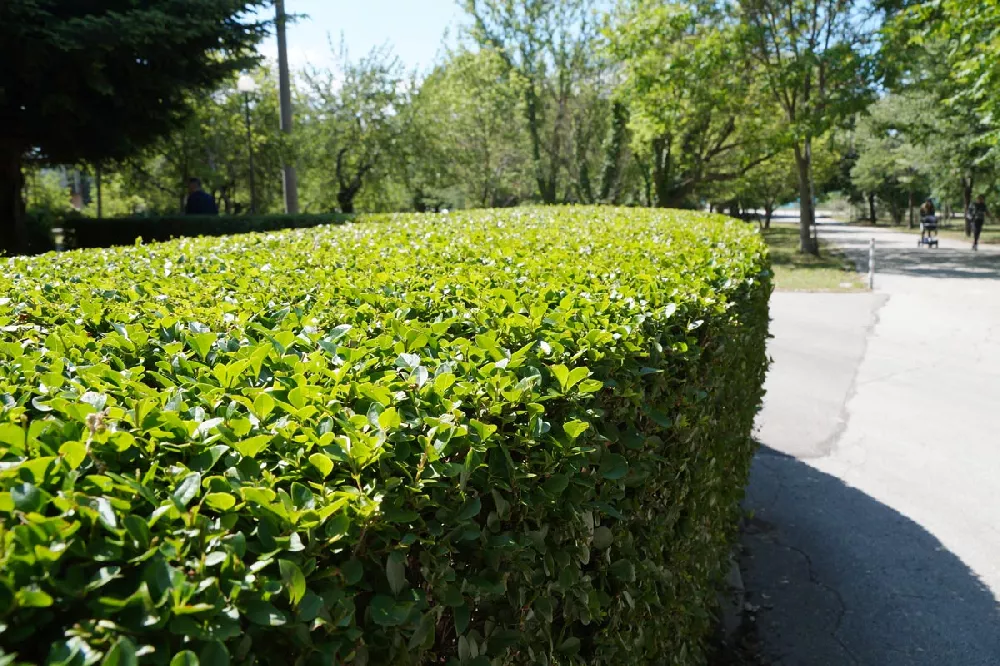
[414, 29]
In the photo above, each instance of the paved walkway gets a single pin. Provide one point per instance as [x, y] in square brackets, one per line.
[876, 530]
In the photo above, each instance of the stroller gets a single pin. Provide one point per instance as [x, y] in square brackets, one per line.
[928, 231]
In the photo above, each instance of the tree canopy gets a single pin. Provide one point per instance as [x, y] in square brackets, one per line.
[100, 79]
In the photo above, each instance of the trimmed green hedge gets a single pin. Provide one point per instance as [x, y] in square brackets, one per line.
[514, 437]
[113, 232]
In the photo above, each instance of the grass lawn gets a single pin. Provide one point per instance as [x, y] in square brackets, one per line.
[793, 271]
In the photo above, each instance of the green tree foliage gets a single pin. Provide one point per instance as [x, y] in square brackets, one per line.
[212, 144]
[693, 98]
[817, 59]
[892, 164]
[99, 79]
[350, 127]
[473, 148]
[548, 48]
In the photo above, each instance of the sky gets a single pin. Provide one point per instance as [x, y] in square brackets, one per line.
[413, 28]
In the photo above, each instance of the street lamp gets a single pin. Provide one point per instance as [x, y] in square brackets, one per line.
[248, 86]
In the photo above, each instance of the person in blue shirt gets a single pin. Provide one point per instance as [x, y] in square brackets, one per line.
[199, 202]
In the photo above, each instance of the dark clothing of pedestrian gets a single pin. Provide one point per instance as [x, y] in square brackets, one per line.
[977, 216]
[201, 202]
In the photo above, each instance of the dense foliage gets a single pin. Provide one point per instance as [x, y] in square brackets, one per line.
[98, 79]
[489, 438]
[111, 232]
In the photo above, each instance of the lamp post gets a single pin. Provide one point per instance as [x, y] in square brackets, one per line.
[248, 86]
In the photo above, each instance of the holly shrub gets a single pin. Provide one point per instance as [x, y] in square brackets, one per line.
[506, 437]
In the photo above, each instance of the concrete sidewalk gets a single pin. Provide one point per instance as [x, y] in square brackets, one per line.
[876, 530]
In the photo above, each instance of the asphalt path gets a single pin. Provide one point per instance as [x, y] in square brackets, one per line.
[875, 536]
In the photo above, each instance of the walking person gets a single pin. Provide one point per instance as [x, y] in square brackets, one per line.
[977, 214]
[928, 221]
[199, 202]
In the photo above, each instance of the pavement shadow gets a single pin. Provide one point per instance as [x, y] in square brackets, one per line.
[915, 262]
[841, 578]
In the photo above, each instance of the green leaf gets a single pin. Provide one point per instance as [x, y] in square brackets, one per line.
[603, 538]
[352, 571]
[264, 614]
[105, 513]
[122, 654]
[575, 428]
[556, 484]
[202, 345]
[33, 599]
[469, 510]
[252, 446]
[591, 386]
[561, 373]
[387, 612]
[263, 405]
[570, 646]
[15, 436]
[310, 607]
[138, 529]
[220, 501]
[462, 617]
[576, 376]
[26, 497]
[185, 658]
[302, 497]
[395, 571]
[214, 654]
[74, 453]
[614, 467]
[543, 606]
[294, 580]
[321, 462]
[623, 570]
[187, 489]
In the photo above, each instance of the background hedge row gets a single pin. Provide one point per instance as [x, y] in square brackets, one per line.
[513, 437]
[113, 232]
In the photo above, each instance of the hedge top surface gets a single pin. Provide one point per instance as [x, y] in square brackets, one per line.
[290, 443]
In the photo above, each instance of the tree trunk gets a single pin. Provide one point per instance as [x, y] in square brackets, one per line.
[100, 198]
[909, 205]
[346, 200]
[611, 171]
[807, 213]
[546, 192]
[967, 184]
[768, 213]
[13, 230]
[871, 209]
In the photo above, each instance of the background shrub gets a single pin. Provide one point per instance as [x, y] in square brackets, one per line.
[513, 437]
[119, 231]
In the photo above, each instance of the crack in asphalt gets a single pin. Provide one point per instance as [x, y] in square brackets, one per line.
[834, 592]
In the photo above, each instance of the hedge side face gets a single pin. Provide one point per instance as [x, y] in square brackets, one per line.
[512, 437]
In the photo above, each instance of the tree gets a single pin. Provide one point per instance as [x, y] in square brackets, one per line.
[817, 58]
[100, 79]
[350, 125]
[891, 164]
[548, 47]
[467, 143]
[694, 104]
[768, 185]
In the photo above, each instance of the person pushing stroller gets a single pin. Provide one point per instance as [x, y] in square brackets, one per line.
[928, 224]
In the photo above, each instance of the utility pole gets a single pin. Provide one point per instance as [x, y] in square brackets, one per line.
[290, 178]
